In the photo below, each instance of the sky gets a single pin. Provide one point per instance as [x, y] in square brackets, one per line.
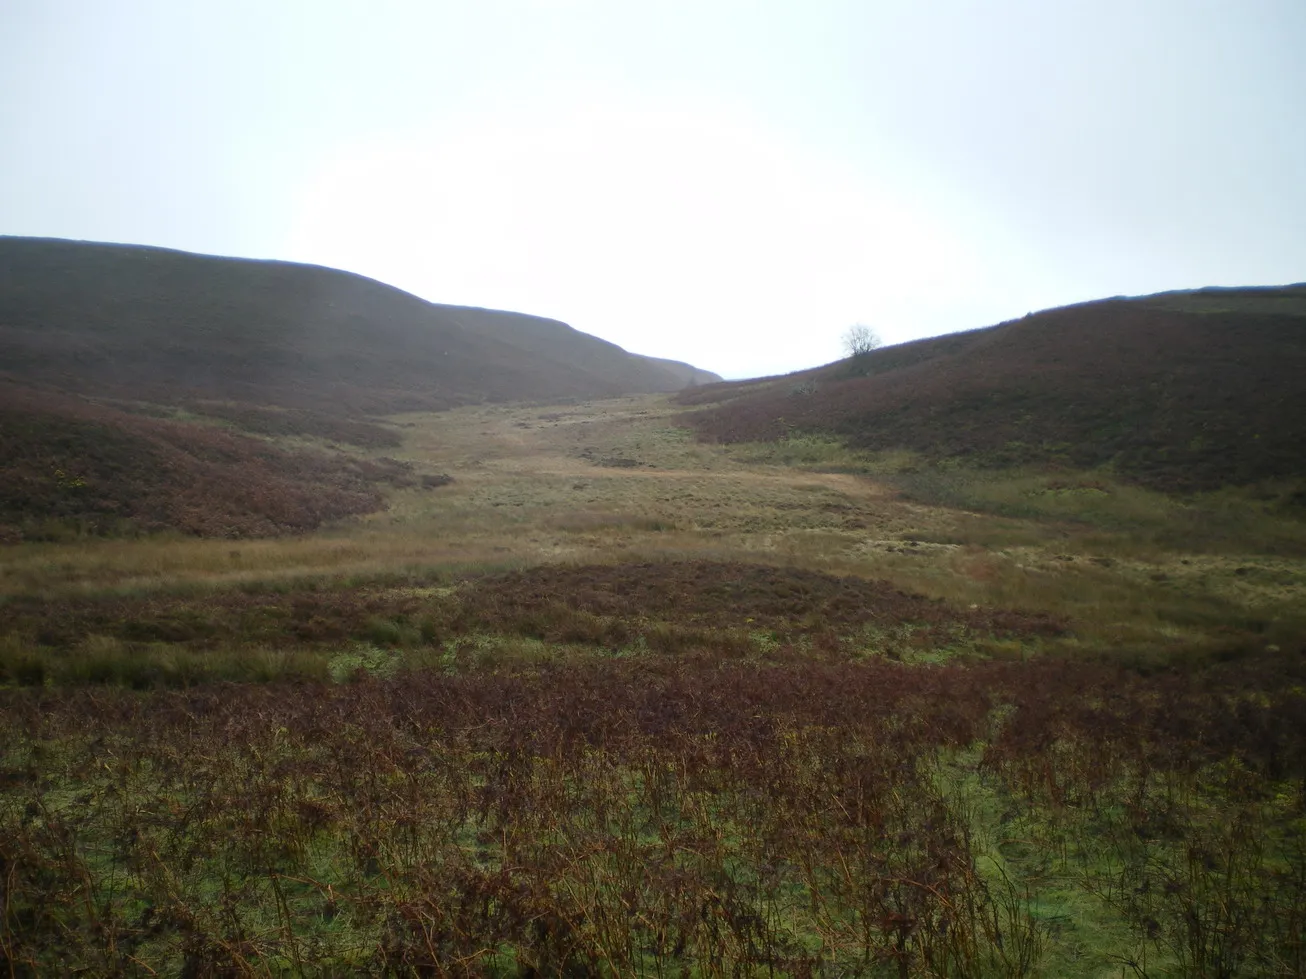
[724, 182]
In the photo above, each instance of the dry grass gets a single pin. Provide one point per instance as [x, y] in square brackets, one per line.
[618, 481]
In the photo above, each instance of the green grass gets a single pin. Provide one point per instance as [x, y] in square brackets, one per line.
[1253, 519]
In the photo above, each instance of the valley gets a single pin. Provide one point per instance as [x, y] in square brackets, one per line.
[619, 701]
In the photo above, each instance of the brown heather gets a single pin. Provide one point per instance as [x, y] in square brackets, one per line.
[645, 816]
[1179, 392]
[76, 468]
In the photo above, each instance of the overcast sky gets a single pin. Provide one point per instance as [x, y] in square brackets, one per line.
[729, 183]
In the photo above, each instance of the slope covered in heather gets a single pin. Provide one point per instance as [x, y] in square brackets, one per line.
[164, 326]
[1180, 391]
[73, 468]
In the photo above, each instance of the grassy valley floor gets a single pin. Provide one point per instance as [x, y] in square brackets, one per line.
[618, 702]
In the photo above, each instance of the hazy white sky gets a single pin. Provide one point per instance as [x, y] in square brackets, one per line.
[730, 183]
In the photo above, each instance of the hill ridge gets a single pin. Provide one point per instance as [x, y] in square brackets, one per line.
[90, 316]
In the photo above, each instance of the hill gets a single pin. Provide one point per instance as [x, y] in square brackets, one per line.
[1180, 391]
[160, 325]
[96, 338]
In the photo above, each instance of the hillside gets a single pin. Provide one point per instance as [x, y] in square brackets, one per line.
[93, 337]
[73, 468]
[161, 325]
[687, 374]
[1179, 391]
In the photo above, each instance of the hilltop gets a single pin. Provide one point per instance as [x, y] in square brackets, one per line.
[143, 388]
[1179, 391]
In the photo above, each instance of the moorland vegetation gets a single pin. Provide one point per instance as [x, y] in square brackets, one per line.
[169, 327]
[1179, 392]
[623, 700]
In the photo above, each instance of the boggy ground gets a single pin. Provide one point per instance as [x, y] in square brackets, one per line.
[616, 702]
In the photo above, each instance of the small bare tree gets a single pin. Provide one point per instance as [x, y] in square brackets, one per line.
[860, 339]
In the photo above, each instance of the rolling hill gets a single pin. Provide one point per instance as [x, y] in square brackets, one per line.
[1180, 391]
[139, 386]
[154, 324]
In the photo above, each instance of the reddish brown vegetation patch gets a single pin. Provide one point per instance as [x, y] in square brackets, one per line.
[1180, 393]
[300, 618]
[490, 820]
[731, 595]
[702, 607]
[76, 467]
[1178, 720]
